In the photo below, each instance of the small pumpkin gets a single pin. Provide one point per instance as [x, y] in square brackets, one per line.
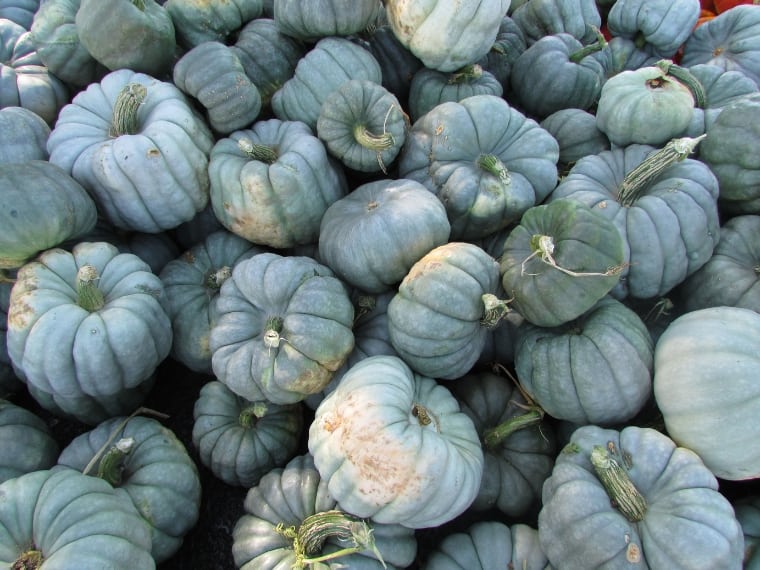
[19, 11]
[312, 20]
[241, 441]
[28, 442]
[577, 134]
[198, 21]
[23, 135]
[539, 18]
[394, 446]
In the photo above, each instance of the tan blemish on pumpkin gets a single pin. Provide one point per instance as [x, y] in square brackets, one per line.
[20, 314]
[633, 553]
[602, 205]
[153, 152]
[188, 257]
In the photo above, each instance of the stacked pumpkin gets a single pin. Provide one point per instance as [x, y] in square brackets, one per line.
[465, 284]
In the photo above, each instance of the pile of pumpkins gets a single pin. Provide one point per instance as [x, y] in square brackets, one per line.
[434, 259]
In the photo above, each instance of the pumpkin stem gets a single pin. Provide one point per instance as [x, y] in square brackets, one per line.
[310, 536]
[29, 560]
[260, 152]
[621, 490]
[89, 297]
[467, 74]
[367, 139]
[638, 179]
[598, 45]
[139, 4]
[272, 331]
[494, 436]
[215, 279]
[112, 463]
[251, 414]
[493, 165]
[124, 120]
[687, 78]
[364, 305]
[495, 309]
[543, 248]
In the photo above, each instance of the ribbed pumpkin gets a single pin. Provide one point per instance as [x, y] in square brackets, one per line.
[23, 135]
[28, 443]
[198, 21]
[312, 20]
[539, 18]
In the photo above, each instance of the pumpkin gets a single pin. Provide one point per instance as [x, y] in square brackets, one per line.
[132, 34]
[371, 237]
[728, 150]
[487, 162]
[730, 277]
[488, 544]
[596, 369]
[705, 385]
[443, 35]
[644, 106]
[33, 190]
[291, 518]
[663, 24]
[23, 135]
[539, 18]
[271, 184]
[284, 327]
[56, 37]
[559, 262]
[26, 81]
[331, 62]
[312, 20]
[576, 133]
[509, 44]
[19, 11]
[192, 282]
[557, 72]
[268, 56]
[748, 514]
[730, 41]
[87, 329]
[363, 125]
[445, 309]
[663, 204]
[198, 21]
[59, 518]
[133, 455]
[430, 87]
[613, 496]
[394, 446]
[624, 54]
[241, 441]
[519, 445]
[28, 442]
[212, 73]
[135, 143]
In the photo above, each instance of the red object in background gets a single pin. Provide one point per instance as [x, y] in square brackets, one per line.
[720, 6]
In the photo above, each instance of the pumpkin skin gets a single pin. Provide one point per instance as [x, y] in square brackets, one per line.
[488, 544]
[289, 496]
[170, 505]
[26, 81]
[95, 362]
[35, 189]
[271, 184]
[198, 21]
[643, 106]
[730, 277]
[363, 125]
[544, 293]
[241, 441]
[312, 20]
[56, 37]
[623, 54]
[153, 175]
[539, 18]
[192, 283]
[556, 72]
[445, 308]
[518, 445]
[23, 135]
[509, 44]
[578, 526]
[730, 41]
[268, 56]
[213, 74]
[692, 367]
[331, 62]
[19, 11]
[747, 510]
[373, 236]
[669, 230]
[577, 134]
[596, 369]
[446, 36]
[28, 442]
[393, 446]
[132, 35]
[73, 520]
[284, 327]
[736, 164]
[663, 24]
[487, 162]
